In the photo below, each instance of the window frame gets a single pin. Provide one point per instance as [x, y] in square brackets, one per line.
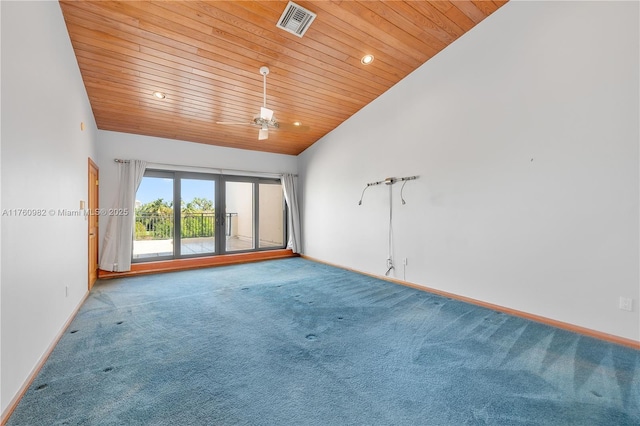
[220, 212]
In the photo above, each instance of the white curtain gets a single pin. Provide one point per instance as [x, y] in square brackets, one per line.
[116, 249]
[289, 188]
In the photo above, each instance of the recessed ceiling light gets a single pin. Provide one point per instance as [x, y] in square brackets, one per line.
[297, 123]
[366, 59]
[159, 95]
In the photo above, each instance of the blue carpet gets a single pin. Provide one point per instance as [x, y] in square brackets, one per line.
[294, 342]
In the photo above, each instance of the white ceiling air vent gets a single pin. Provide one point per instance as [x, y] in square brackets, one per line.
[295, 19]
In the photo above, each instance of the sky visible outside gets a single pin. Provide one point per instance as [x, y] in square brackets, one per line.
[152, 188]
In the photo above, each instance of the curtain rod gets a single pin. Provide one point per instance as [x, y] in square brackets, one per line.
[221, 170]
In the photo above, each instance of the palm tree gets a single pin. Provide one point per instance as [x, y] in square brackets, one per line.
[198, 218]
[154, 220]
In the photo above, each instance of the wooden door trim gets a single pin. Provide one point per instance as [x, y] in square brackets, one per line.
[91, 209]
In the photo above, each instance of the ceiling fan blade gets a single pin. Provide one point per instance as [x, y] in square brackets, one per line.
[235, 123]
[293, 128]
[266, 113]
[263, 134]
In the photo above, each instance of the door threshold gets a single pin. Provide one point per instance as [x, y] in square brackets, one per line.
[196, 262]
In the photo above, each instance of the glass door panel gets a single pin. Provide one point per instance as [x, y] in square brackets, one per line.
[153, 226]
[271, 220]
[239, 216]
[197, 216]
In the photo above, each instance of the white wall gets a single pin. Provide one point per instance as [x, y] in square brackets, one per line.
[160, 151]
[524, 133]
[44, 166]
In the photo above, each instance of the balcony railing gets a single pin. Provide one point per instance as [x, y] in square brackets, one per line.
[160, 226]
[154, 235]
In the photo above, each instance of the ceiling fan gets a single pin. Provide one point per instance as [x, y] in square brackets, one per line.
[265, 120]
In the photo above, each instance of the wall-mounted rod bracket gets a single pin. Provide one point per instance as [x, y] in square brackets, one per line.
[388, 181]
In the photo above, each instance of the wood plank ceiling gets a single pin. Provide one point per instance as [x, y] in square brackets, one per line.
[205, 57]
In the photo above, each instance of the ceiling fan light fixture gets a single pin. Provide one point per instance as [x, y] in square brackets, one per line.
[266, 119]
[366, 59]
[266, 113]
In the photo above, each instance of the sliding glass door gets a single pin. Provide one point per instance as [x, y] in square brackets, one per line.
[154, 220]
[239, 216]
[181, 215]
[271, 224]
[197, 216]
[255, 214]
